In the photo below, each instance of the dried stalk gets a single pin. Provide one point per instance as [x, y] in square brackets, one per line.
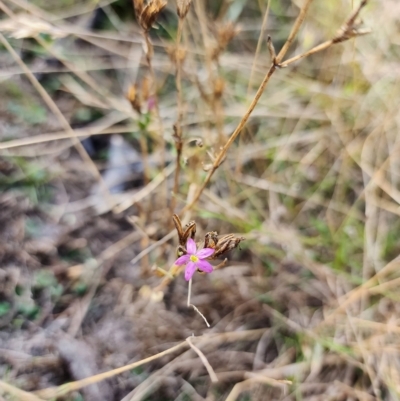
[203, 358]
[178, 124]
[149, 58]
[146, 15]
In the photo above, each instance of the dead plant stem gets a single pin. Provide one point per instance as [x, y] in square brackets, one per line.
[145, 156]
[178, 124]
[149, 58]
[203, 358]
[17, 393]
[221, 155]
[314, 50]
[258, 49]
[294, 31]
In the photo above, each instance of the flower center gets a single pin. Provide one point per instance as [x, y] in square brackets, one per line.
[194, 258]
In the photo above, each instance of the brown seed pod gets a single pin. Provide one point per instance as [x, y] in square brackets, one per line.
[211, 239]
[184, 233]
[221, 245]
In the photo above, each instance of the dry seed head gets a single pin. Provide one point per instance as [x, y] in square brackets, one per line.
[219, 86]
[134, 99]
[146, 88]
[226, 33]
[180, 55]
[132, 93]
[176, 55]
[139, 95]
[221, 244]
[138, 6]
[146, 14]
[183, 7]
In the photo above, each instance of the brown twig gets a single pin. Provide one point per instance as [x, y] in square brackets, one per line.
[294, 31]
[221, 155]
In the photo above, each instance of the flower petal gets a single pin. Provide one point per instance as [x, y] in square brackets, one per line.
[191, 246]
[182, 260]
[205, 253]
[204, 266]
[189, 271]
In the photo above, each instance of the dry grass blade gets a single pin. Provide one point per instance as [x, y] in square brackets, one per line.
[215, 340]
[73, 386]
[17, 393]
[354, 295]
[247, 384]
[144, 192]
[206, 364]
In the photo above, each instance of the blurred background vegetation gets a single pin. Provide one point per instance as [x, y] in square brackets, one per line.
[91, 123]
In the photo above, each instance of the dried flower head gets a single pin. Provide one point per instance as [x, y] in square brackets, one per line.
[138, 5]
[352, 27]
[139, 96]
[225, 33]
[183, 7]
[134, 99]
[184, 233]
[218, 88]
[147, 14]
[195, 259]
[176, 55]
[221, 245]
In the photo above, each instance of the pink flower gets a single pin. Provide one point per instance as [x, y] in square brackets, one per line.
[195, 259]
